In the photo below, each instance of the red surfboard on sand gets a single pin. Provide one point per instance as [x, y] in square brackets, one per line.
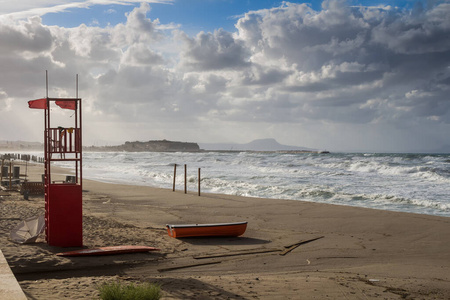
[108, 250]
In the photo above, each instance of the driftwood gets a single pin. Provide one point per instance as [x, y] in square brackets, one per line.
[293, 246]
[237, 253]
[283, 252]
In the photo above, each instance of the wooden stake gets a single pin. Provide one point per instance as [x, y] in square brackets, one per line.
[185, 179]
[174, 176]
[199, 182]
[10, 175]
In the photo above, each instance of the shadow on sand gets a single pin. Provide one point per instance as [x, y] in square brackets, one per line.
[224, 241]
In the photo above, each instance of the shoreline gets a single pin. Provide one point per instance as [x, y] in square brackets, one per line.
[365, 253]
[400, 194]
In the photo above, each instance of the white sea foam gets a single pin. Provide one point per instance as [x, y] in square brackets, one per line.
[401, 182]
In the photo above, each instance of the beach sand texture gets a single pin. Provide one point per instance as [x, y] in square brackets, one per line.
[364, 253]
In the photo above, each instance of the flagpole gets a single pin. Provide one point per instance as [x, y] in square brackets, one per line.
[46, 83]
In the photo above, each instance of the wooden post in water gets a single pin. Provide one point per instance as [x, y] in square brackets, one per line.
[185, 179]
[199, 182]
[174, 176]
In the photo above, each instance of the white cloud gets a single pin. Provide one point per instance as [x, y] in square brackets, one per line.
[343, 77]
[214, 51]
[28, 8]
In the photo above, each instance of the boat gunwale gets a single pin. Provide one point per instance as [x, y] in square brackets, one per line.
[206, 225]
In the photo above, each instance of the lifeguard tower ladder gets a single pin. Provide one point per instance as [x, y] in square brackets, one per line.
[63, 198]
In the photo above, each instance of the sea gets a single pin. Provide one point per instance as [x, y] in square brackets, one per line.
[415, 183]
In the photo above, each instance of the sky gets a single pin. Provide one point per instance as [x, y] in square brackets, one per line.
[336, 75]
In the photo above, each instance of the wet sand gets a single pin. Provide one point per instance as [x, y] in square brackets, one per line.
[363, 253]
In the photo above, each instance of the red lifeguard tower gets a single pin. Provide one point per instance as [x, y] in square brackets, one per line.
[63, 198]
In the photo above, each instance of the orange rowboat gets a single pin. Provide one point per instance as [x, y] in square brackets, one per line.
[218, 229]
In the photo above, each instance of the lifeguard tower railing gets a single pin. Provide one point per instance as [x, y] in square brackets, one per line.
[64, 140]
[64, 143]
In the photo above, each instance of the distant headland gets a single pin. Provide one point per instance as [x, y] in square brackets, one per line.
[150, 146]
[21, 146]
[260, 145]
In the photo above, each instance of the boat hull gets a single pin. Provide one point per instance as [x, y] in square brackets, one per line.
[200, 230]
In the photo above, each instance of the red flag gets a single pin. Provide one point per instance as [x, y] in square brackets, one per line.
[39, 103]
[67, 104]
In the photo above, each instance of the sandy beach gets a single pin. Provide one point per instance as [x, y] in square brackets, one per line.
[363, 253]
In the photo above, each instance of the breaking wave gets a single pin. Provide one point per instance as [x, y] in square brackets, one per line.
[415, 183]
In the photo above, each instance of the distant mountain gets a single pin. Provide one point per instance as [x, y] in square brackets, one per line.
[256, 145]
